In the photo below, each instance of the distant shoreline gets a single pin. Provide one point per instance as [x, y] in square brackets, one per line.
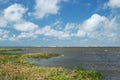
[59, 47]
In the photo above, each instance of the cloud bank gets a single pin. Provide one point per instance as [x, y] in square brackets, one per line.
[98, 27]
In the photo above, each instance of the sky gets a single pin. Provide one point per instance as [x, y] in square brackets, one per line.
[60, 23]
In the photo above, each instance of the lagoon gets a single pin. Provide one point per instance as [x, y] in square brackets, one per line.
[103, 59]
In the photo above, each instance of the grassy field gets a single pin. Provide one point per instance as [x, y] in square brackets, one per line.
[17, 67]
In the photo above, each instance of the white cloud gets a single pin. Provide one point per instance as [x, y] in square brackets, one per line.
[45, 31]
[3, 35]
[70, 26]
[3, 32]
[96, 27]
[23, 35]
[56, 23]
[71, 29]
[100, 28]
[27, 35]
[80, 33]
[3, 22]
[113, 4]
[112, 24]
[93, 22]
[13, 38]
[46, 7]
[48, 31]
[14, 12]
[25, 26]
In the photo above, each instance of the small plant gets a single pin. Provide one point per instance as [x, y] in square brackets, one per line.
[78, 68]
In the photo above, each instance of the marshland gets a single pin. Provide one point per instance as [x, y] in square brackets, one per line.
[18, 66]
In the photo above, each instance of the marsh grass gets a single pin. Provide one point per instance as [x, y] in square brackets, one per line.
[16, 67]
[22, 58]
[10, 49]
[31, 72]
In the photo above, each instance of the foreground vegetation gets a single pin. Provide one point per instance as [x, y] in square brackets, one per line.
[17, 67]
[30, 72]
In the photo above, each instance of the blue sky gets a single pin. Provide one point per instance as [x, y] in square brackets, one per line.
[59, 23]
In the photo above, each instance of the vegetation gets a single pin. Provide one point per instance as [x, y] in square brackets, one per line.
[23, 58]
[10, 49]
[16, 67]
[31, 72]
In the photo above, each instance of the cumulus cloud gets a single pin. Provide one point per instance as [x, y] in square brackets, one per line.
[99, 28]
[70, 26]
[48, 31]
[3, 35]
[113, 4]
[96, 27]
[80, 33]
[22, 35]
[46, 7]
[3, 22]
[93, 22]
[27, 35]
[14, 12]
[25, 26]
[112, 24]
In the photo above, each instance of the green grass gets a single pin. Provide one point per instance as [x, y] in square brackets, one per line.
[31, 72]
[22, 58]
[16, 67]
[10, 49]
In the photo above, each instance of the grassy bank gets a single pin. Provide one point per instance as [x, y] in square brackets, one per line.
[22, 58]
[10, 49]
[16, 67]
[31, 72]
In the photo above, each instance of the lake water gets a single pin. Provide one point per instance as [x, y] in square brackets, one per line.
[105, 60]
